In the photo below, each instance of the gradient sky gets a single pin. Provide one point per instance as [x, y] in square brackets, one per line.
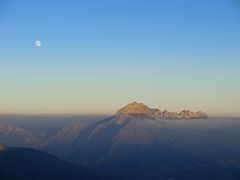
[100, 55]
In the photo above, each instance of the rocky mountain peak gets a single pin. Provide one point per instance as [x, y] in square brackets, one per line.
[136, 108]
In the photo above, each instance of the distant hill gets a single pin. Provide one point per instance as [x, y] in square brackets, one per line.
[15, 136]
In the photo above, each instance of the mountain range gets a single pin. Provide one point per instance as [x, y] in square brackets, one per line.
[130, 146]
[139, 142]
[128, 117]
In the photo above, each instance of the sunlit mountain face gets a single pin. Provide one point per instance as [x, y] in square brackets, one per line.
[139, 142]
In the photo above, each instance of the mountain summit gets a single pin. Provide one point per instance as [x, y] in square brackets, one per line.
[136, 108]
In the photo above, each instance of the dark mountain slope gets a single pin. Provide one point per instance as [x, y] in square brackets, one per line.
[24, 164]
[100, 135]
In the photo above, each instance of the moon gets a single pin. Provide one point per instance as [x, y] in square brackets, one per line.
[38, 43]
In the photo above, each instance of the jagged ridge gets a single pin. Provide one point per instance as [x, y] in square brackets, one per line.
[136, 108]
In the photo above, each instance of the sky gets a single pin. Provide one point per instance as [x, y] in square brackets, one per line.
[97, 56]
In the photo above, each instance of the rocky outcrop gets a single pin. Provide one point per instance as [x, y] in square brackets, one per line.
[202, 115]
[186, 114]
[156, 111]
[169, 115]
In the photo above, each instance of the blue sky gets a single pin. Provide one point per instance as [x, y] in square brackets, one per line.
[99, 55]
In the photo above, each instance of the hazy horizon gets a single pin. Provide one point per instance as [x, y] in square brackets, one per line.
[96, 57]
[99, 114]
